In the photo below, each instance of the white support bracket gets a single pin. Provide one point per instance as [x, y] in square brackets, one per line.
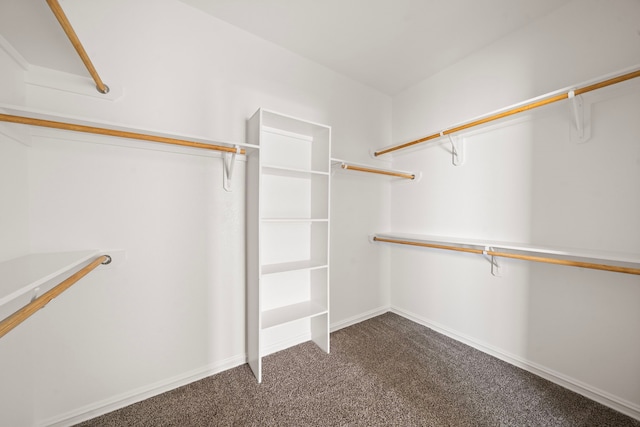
[581, 131]
[229, 162]
[457, 150]
[495, 267]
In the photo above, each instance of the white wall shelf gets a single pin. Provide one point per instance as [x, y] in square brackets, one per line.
[32, 113]
[288, 186]
[22, 276]
[599, 260]
[507, 113]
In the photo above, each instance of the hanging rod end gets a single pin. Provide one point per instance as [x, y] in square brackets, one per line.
[104, 90]
[108, 260]
[374, 154]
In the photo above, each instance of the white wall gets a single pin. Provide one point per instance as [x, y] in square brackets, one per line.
[15, 351]
[174, 310]
[526, 180]
[13, 161]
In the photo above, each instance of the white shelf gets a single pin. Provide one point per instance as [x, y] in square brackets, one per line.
[290, 172]
[627, 260]
[33, 113]
[21, 275]
[294, 220]
[291, 313]
[291, 266]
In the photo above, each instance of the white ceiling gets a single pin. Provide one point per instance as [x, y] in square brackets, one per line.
[386, 44]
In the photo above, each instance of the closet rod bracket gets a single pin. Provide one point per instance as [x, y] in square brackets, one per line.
[496, 269]
[229, 162]
[581, 129]
[457, 149]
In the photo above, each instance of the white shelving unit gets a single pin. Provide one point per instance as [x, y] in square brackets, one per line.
[288, 186]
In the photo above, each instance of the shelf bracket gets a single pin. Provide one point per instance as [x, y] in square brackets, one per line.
[457, 149]
[495, 267]
[228, 162]
[581, 131]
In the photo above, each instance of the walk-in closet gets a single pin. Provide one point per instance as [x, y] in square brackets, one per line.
[319, 213]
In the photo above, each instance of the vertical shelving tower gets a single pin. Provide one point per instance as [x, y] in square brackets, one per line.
[288, 186]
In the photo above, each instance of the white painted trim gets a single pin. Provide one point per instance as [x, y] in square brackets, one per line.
[125, 399]
[359, 318]
[593, 393]
[14, 54]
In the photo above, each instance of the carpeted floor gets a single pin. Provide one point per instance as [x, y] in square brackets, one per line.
[387, 371]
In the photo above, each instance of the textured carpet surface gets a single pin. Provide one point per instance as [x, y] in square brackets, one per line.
[386, 371]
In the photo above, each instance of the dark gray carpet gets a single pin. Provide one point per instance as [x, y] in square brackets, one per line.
[387, 371]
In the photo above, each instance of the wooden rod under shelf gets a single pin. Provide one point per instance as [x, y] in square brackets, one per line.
[112, 132]
[428, 245]
[569, 263]
[547, 260]
[75, 41]
[378, 171]
[28, 310]
[516, 110]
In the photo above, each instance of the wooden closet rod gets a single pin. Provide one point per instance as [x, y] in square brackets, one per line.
[117, 133]
[75, 41]
[378, 171]
[516, 110]
[28, 310]
[546, 260]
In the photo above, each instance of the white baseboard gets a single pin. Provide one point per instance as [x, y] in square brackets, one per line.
[593, 393]
[120, 401]
[359, 318]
